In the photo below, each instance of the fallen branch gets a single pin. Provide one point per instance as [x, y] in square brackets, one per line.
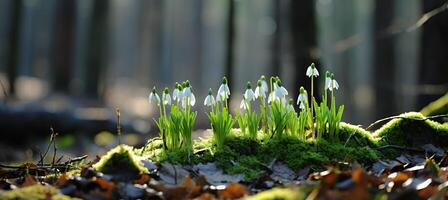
[390, 146]
[409, 118]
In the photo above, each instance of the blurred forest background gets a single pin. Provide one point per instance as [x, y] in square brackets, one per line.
[68, 63]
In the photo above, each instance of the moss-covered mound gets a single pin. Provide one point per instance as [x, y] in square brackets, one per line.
[251, 157]
[120, 160]
[34, 192]
[438, 107]
[412, 129]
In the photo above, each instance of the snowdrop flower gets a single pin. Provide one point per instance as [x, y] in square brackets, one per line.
[209, 100]
[327, 80]
[302, 105]
[259, 91]
[334, 84]
[271, 97]
[279, 90]
[290, 105]
[176, 92]
[312, 71]
[154, 97]
[223, 91]
[166, 97]
[302, 96]
[243, 104]
[249, 94]
[264, 84]
[187, 95]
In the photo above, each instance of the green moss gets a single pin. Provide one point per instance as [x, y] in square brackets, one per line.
[352, 135]
[34, 192]
[244, 155]
[119, 160]
[278, 194]
[240, 154]
[411, 130]
[438, 107]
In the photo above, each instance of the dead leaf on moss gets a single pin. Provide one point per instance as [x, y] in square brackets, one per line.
[28, 181]
[143, 179]
[233, 191]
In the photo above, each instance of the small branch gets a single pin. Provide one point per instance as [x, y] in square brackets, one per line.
[390, 146]
[428, 16]
[409, 118]
[118, 125]
[42, 157]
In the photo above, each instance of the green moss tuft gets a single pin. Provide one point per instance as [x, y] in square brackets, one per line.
[352, 135]
[410, 130]
[119, 160]
[34, 192]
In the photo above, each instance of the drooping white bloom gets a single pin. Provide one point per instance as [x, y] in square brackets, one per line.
[188, 96]
[290, 105]
[209, 100]
[249, 94]
[186, 92]
[154, 97]
[176, 94]
[223, 90]
[167, 99]
[271, 97]
[312, 71]
[302, 105]
[259, 90]
[302, 96]
[327, 83]
[243, 104]
[333, 84]
[264, 84]
[280, 91]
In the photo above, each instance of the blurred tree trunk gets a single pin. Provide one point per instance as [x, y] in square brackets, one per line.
[384, 62]
[230, 42]
[97, 42]
[304, 39]
[62, 60]
[276, 41]
[434, 54]
[12, 57]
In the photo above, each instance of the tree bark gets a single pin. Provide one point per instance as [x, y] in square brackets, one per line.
[434, 54]
[63, 45]
[12, 57]
[384, 59]
[304, 39]
[96, 50]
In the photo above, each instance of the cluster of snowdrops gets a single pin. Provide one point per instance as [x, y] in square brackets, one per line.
[276, 116]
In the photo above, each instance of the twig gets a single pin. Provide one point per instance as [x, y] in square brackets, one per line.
[42, 157]
[409, 118]
[54, 148]
[118, 125]
[428, 16]
[390, 146]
